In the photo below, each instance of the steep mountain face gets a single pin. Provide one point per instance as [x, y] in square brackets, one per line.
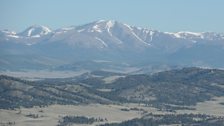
[40, 47]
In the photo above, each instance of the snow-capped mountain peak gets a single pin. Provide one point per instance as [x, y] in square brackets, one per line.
[109, 24]
[196, 35]
[35, 31]
[97, 26]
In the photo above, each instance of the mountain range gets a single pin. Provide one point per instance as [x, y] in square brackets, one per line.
[107, 44]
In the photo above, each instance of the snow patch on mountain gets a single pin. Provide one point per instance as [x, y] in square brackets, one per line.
[9, 34]
[13, 36]
[81, 30]
[96, 28]
[186, 35]
[6, 31]
[100, 26]
[109, 25]
[64, 30]
[105, 45]
[100, 21]
[136, 36]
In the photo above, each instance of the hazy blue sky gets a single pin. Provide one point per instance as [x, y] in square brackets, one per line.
[163, 15]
